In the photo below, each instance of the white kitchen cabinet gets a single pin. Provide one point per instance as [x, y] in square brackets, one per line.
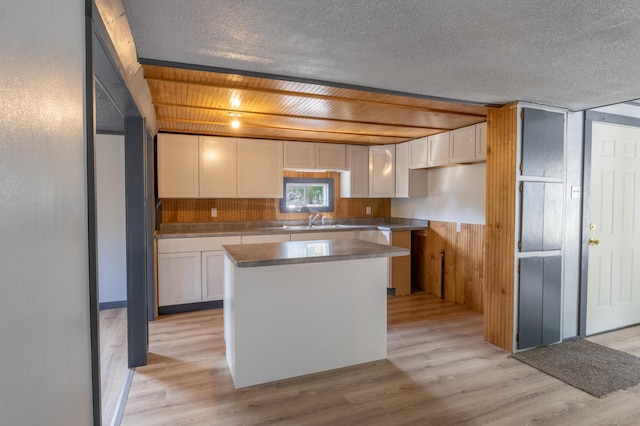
[260, 164]
[271, 238]
[481, 141]
[190, 269]
[409, 182]
[311, 236]
[382, 177]
[354, 182]
[330, 156]
[177, 166]
[314, 156]
[179, 278]
[418, 153]
[212, 275]
[217, 167]
[371, 235]
[462, 145]
[438, 146]
[299, 155]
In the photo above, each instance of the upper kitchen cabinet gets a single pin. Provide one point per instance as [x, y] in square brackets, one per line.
[382, 177]
[354, 182]
[438, 149]
[409, 182]
[462, 145]
[177, 166]
[418, 150]
[260, 164]
[330, 156]
[217, 167]
[481, 141]
[314, 156]
[299, 155]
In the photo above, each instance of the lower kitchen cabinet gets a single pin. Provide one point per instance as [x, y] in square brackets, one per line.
[310, 236]
[179, 278]
[212, 275]
[190, 271]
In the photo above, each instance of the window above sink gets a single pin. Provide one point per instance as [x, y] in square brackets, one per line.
[307, 195]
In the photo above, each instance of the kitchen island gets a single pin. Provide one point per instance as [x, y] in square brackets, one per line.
[297, 308]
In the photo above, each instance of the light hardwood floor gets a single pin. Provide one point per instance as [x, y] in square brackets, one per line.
[439, 371]
[113, 359]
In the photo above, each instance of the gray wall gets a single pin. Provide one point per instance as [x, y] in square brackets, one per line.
[44, 305]
[112, 236]
[573, 218]
[456, 194]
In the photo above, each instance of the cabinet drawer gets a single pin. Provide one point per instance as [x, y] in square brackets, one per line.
[178, 245]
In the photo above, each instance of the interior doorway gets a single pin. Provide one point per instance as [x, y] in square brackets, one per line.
[613, 283]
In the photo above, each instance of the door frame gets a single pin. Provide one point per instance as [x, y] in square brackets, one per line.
[589, 118]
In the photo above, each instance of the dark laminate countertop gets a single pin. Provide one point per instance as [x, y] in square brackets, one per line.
[294, 252]
[192, 230]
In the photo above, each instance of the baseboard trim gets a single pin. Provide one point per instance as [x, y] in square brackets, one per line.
[113, 305]
[189, 307]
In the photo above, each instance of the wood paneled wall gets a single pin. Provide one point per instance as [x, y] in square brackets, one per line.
[183, 210]
[463, 268]
[499, 253]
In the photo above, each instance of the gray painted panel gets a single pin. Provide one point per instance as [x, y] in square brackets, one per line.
[552, 229]
[532, 223]
[530, 303]
[542, 143]
[551, 300]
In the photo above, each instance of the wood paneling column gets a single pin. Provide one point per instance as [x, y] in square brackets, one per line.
[499, 252]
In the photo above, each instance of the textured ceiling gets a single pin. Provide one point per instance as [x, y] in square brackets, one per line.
[572, 54]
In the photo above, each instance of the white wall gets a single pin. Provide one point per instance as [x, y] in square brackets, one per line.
[45, 373]
[456, 194]
[112, 244]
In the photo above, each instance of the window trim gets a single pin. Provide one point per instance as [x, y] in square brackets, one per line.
[327, 181]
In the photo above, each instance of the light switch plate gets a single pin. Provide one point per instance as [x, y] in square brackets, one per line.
[368, 209]
[214, 212]
[575, 192]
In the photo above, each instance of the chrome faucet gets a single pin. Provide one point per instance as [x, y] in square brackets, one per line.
[312, 218]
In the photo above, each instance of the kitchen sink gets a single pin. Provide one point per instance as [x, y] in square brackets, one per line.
[297, 227]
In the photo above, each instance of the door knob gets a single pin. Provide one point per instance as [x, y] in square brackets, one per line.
[594, 242]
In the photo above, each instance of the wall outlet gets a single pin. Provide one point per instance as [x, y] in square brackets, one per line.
[214, 212]
[368, 209]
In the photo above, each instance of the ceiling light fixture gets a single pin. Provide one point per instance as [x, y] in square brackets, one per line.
[235, 123]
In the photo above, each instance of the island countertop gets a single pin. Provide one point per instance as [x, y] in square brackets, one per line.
[295, 252]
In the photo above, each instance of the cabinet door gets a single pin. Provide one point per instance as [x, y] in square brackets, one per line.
[402, 170]
[217, 167]
[179, 278]
[354, 183]
[381, 171]
[330, 156]
[299, 155]
[370, 235]
[212, 275]
[177, 166]
[418, 150]
[462, 144]
[481, 141]
[438, 149]
[542, 143]
[401, 265]
[259, 168]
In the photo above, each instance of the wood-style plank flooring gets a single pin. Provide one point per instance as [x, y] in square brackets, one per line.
[439, 371]
[113, 359]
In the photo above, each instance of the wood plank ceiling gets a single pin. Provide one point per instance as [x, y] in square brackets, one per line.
[204, 102]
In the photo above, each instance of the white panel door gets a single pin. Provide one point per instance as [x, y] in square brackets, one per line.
[402, 170]
[177, 166]
[330, 156]
[354, 183]
[481, 141]
[212, 275]
[260, 168]
[438, 149]
[462, 144]
[613, 295]
[418, 149]
[179, 278]
[217, 167]
[299, 155]
[382, 176]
